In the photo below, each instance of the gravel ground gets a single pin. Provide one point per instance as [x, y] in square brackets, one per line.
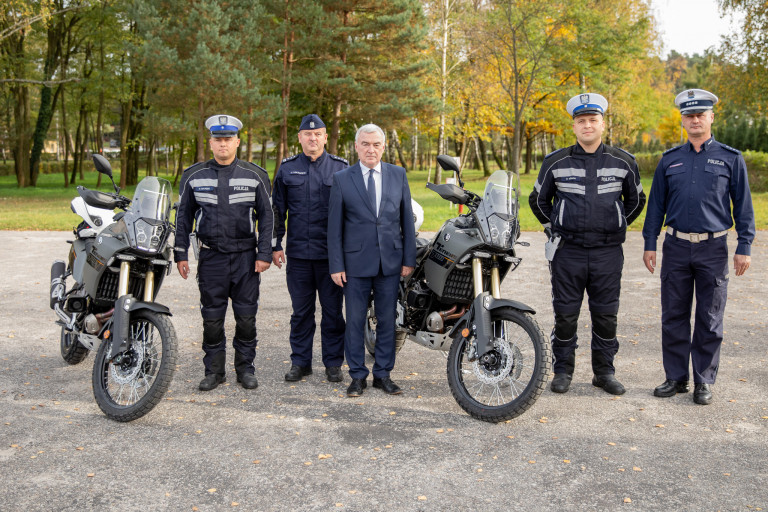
[305, 446]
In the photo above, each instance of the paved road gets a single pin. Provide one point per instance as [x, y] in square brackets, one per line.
[308, 447]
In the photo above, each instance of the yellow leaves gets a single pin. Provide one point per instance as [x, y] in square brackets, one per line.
[91, 475]
[422, 498]
[324, 456]
[635, 468]
[543, 419]
[212, 490]
[627, 500]
[566, 461]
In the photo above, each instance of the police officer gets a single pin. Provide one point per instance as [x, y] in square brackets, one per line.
[585, 196]
[302, 188]
[223, 199]
[693, 189]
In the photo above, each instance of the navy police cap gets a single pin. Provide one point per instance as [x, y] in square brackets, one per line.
[695, 101]
[311, 122]
[222, 125]
[587, 103]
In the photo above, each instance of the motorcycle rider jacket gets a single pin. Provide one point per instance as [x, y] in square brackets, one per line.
[588, 198]
[223, 204]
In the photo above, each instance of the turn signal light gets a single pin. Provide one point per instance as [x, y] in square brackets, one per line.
[107, 334]
[465, 333]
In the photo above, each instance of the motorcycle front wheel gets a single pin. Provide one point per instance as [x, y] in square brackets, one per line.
[128, 386]
[71, 350]
[507, 382]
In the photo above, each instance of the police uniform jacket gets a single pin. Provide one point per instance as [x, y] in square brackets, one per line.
[588, 198]
[694, 192]
[302, 190]
[223, 204]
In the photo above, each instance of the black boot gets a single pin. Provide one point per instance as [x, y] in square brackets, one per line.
[602, 366]
[214, 359]
[562, 380]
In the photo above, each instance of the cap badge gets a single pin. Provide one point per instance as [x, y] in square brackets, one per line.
[584, 98]
[691, 94]
[311, 124]
[222, 120]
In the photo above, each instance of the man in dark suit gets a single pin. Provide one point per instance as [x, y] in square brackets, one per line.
[371, 243]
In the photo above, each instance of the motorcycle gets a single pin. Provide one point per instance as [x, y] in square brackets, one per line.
[498, 357]
[118, 263]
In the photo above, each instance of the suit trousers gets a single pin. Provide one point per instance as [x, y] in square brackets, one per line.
[357, 291]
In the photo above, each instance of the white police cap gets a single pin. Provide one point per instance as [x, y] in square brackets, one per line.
[695, 101]
[587, 103]
[222, 125]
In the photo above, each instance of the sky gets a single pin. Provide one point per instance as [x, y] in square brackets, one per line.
[690, 26]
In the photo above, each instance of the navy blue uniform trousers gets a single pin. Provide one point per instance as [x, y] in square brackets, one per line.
[222, 276]
[307, 279]
[687, 267]
[357, 291]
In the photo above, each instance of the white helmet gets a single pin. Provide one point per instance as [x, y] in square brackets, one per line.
[418, 214]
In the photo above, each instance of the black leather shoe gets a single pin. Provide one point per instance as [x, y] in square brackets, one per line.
[609, 383]
[211, 381]
[357, 387]
[297, 372]
[247, 380]
[561, 382]
[702, 394]
[334, 374]
[385, 384]
[671, 388]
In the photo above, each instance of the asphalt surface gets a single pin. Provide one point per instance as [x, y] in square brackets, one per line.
[305, 446]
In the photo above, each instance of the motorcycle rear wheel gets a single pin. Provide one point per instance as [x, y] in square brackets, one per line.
[129, 389]
[510, 382]
[71, 350]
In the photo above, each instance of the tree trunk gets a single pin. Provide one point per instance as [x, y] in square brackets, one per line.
[201, 135]
[151, 171]
[396, 144]
[264, 153]
[498, 158]
[282, 146]
[483, 156]
[414, 143]
[179, 164]
[528, 151]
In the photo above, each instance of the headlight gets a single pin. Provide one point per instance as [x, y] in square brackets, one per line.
[148, 237]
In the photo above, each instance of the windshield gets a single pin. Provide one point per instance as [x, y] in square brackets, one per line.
[147, 219]
[498, 211]
[152, 199]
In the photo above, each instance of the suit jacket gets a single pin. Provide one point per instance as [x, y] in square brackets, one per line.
[358, 241]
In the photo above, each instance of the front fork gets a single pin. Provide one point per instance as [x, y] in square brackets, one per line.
[122, 318]
[481, 307]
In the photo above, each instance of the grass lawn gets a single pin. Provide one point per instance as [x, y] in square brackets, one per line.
[46, 207]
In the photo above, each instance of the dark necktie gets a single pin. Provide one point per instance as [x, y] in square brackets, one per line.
[372, 190]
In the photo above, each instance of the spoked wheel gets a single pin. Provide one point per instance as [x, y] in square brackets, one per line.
[71, 350]
[129, 385]
[505, 382]
[369, 331]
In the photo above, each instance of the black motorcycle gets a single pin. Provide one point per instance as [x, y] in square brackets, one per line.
[498, 357]
[118, 262]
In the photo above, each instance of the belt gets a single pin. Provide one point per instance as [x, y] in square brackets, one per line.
[694, 238]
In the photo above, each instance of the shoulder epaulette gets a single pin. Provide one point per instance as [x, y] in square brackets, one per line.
[294, 157]
[343, 160]
[729, 148]
[673, 149]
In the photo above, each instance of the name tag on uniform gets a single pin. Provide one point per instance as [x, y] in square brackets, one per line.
[298, 172]
[715, 162]
[676, 165]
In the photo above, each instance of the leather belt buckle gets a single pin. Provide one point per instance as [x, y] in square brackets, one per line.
[698, 237]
